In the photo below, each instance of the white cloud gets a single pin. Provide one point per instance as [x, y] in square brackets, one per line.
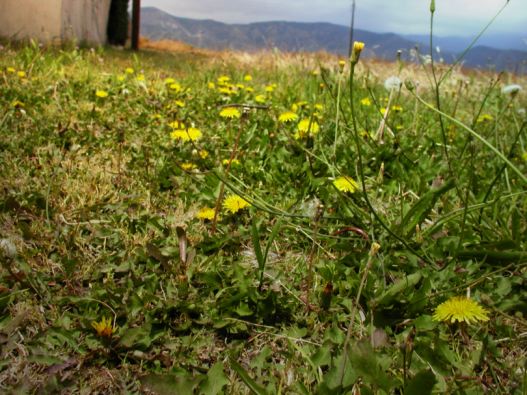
[453, 17]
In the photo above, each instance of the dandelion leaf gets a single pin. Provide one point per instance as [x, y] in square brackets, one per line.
[420, 210]
[421, 384]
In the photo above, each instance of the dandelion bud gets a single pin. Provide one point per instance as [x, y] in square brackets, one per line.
[374, 249]
[358, 46]
[342, 64]
[409, 84]
[432, 6]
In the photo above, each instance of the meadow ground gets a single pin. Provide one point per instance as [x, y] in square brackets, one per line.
[201, 222]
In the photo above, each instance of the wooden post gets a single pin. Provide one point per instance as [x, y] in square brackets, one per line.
[136, 18]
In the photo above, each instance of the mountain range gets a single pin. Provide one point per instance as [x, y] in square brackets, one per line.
[311, 37]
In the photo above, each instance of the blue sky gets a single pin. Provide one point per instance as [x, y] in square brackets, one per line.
[453, 17]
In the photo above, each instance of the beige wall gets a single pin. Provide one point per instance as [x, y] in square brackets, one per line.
[55, 20]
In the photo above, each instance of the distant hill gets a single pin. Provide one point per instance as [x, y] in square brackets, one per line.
[295, 36]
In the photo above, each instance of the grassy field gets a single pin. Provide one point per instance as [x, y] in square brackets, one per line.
[197, 222]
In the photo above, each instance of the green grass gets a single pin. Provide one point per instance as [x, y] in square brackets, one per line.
[309, 289]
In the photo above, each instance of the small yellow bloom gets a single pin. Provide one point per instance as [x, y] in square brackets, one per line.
[234, 162]
[17, 104]
[104, 328]
[308, 126]
[223, 79]
[175, 87]
[342, 64]
[140, 77]
[269, 88]
[21, 74]
[247, 78]
[179, 103]
[121, 78]
[211, 85]
[129, 70]
[177, 125]
[288, 116]
[169, 81]
[203, 154]
[318, 106]
[366, 102]
[485, 118]
[206, 213]
[230, 112]
[249, 89]
[355, 53]
[11, 70]
[346, 184]
[188, 166]
[102, 94]
[235, 203]
[190, 134]
[397, 108]
[226, 90]
[461, 309]
[260, 99]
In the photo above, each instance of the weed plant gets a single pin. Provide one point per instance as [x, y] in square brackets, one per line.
[269, 223]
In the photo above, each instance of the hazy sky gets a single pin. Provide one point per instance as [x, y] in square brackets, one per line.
[453, 17]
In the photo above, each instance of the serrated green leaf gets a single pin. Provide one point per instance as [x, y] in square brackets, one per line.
[398, 287]
[215, 380]
[419, 211]
[249, 382]
[422, 384]
[170, 384]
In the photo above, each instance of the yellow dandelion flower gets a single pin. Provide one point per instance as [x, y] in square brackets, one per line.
[240, 86]
[102, 94]
[179, 103]
[247, 78]
[129, 70]
[177, 125]
[188, 166]
[175, 87]
[366, 102]
[319, 107]
[461, 309]
[169, 81]
[288, 116]
[269, 88]
[342, 64]
[358, 46]
[190, 134]
[11, 70]
[234, 162]
[211, 85]
[21, 74]
[230, 112]
[121, 78]
[17, 104]
[260, 99]
[383, 110]
[140, 77]
[203, 154]
[235, 203]
[346, 184]
[308, 126]
[485, 118]
[104, 328]
[206, 213]
[223, 79]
